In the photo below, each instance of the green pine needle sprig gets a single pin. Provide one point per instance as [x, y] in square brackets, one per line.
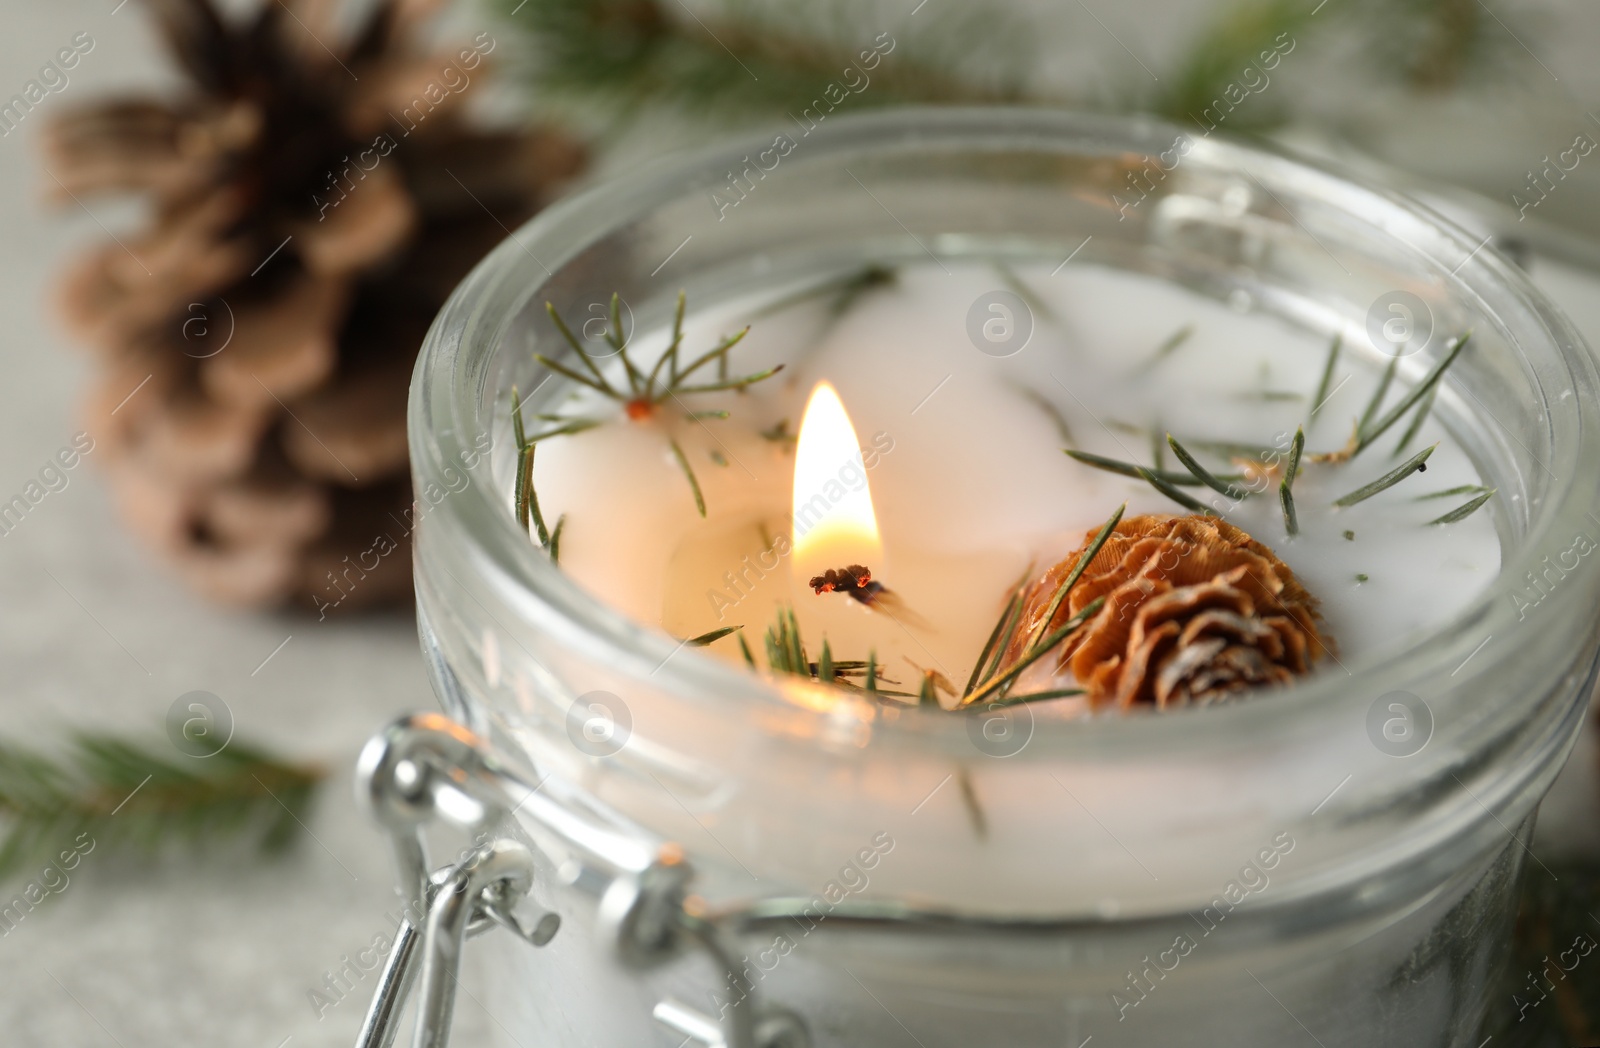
[134, 799]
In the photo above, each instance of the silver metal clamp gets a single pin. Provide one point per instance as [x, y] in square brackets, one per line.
[427, 767]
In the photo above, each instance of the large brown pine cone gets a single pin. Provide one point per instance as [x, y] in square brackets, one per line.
[313, 198]
[1196, 611]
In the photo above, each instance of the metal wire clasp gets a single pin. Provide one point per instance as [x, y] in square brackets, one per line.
[426, 767]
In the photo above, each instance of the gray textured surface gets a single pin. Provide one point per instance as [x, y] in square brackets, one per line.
[93, 635]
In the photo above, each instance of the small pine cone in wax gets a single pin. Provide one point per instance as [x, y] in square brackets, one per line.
[1196, 611]
[312, 195]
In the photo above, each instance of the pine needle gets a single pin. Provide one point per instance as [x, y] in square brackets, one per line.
[525, 457]
[1461, 513]
[1204, 475]
[1005, 624]
[694, 484]
[1464, 489]
[1323, 386]
[1014, 671]
[555, 539]
[1375, 404]
[1033, 696]
[1137, 472]
[1171, 344]
[134, 799]
[1369, 434]
[1072, 578]
[1291, 520]
[1414, 464]
[1171, 491]
[712, 636]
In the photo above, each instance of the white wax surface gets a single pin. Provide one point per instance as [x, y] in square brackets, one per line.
[976, 487]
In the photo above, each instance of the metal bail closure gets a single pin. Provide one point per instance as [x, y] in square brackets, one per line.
[463, 900]
[428, 767]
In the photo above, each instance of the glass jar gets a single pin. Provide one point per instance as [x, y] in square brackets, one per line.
[1263, 873]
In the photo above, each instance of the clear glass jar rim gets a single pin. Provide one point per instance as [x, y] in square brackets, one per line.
[448, 403]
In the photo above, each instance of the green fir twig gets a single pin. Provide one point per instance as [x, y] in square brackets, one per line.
[737, 60]
[134, 799]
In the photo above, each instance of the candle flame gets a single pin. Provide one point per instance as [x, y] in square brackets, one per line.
[834, 524]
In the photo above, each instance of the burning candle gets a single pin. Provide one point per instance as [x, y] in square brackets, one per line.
[951, 500]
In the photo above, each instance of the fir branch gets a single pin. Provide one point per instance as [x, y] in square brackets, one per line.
[1461, 513]
[734, 59]
[1291, 520]
[1234, 40]
[646, 391]
[1414, 464]
[134, 799]
[1437, 46]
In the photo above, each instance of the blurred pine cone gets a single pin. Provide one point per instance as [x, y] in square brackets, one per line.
[312, 200]
[1196, 611]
